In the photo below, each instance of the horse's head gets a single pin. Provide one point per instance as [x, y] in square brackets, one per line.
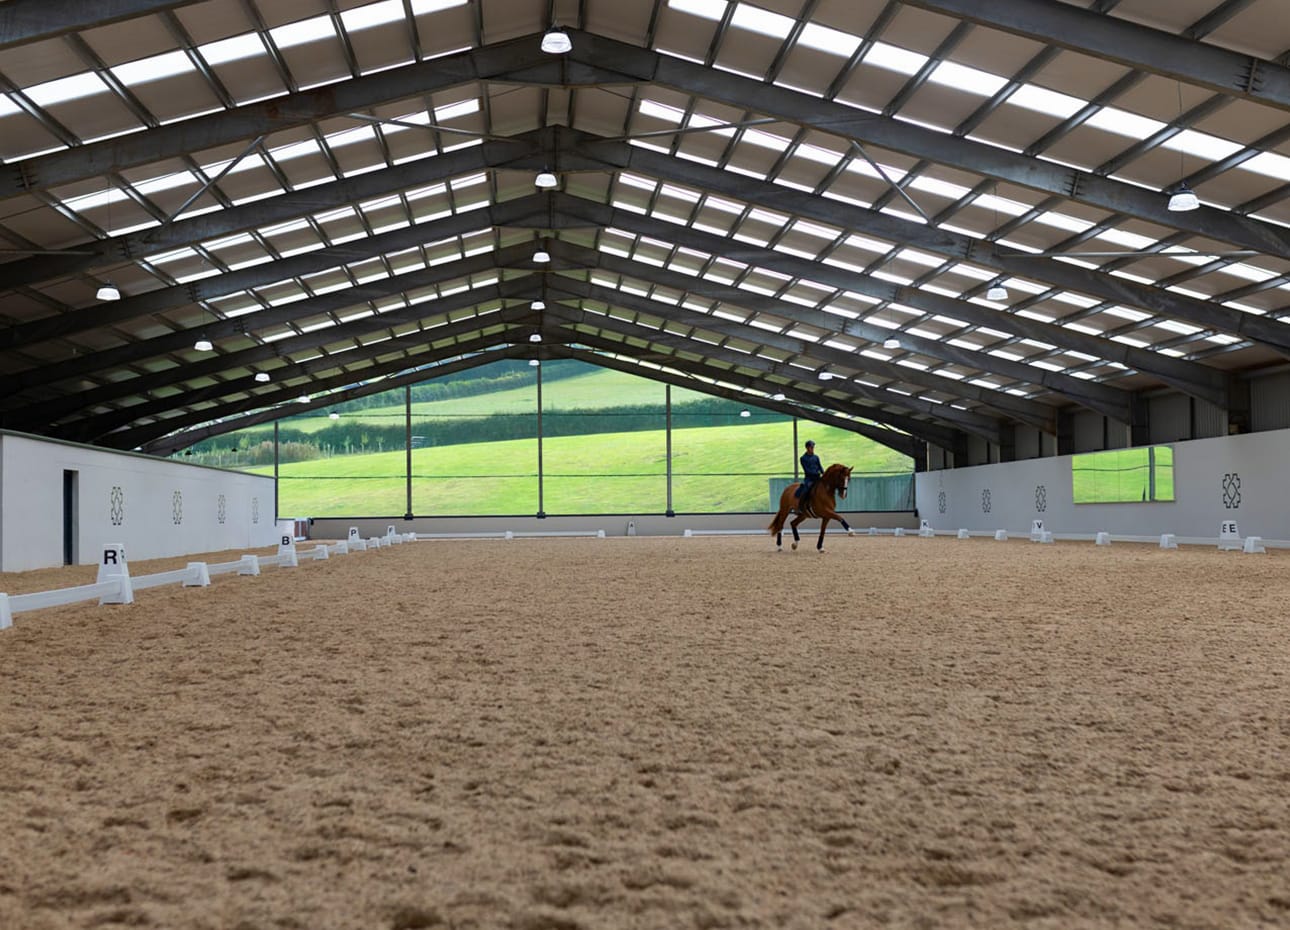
[838, 478]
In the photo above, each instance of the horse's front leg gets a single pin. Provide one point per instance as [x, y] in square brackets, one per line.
[798, 519]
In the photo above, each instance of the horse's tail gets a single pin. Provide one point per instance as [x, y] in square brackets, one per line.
[778, 523]
[784, 507]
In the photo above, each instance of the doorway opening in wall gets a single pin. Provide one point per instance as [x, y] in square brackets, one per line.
[69, 517]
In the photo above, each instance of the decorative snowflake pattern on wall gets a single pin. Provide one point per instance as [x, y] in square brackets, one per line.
[177, 507]
[222, 509]
[940, 502]
[255, 510]
[985, 501]
[116, 505]
[1041, 498]
[1232, 491]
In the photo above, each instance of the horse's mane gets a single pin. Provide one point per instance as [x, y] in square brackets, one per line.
[832, 474]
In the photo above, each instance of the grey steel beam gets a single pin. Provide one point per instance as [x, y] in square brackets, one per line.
[1036, 414]
[23, 21]
[929, 432]
[645, 66]
[87, 429]
[280, 208]
[717, 360]
[1103, 398]
[900, 442]
[714, 362]
[520, 60]
[564, 288]
[1193, 378]
[13, 386]
[174, 442]
[1128, 43]
[41, 414]
[147, 433]
[533, 208]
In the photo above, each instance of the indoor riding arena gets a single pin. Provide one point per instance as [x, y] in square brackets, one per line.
[659, 464]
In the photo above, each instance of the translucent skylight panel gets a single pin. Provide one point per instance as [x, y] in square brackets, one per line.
[373, 14]
[891, 58]
[824, 39]
[755, 19]
[708, 9]
[1270, 164]
[154, 68]
[64, 89]
[462, 108]
[971, 80]
[1049, 102]
[661, 111]
[421, 7]
[314, 29]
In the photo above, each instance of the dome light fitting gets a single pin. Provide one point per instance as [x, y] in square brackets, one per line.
[203, 344]
[996, 292]
[541, 256]
[538, 305]
[556, 42]
[546, 181]
[534, 363]
[333, 416]
[1183, 199]
[892, 343]
[745, 413]
[108, 292]
[536, 337]
[778, 397]
[262, 377]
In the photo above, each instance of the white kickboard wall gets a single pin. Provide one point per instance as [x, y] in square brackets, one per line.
[154, 507]
[1242, 478]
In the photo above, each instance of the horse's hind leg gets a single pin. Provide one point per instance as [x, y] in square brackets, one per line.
[797, 520]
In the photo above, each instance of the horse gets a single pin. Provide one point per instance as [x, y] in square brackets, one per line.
[819, 505]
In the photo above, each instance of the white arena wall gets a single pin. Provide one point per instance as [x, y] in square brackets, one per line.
[1240, 478]
[154, 507]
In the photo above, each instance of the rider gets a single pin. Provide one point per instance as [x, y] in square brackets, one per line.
[812, 470]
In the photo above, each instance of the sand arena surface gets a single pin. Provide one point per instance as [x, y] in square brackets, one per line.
[656, 733]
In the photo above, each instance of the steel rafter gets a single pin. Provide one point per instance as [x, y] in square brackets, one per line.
[676, 318]
[1128, 43]
[520, 212]
[146, 433]
[1191, 377]
[631, 63]
[749, 370]
[1103, 398]
[31, 415]
[96, 426]
[23, 21]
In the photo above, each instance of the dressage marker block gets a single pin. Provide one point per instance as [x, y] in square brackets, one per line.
[1045, 537]
[1229, 536]
[900, 531]
[113, 567]
[1036, 530]
[1253, 545]
[963, 534]
[925, 530]
[1001, 535]
[1168, 541]
[1103, 539]
[249, 565]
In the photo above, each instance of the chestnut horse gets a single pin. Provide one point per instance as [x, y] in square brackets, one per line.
[818, 504]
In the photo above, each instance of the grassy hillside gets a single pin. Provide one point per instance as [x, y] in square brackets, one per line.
[715, 469]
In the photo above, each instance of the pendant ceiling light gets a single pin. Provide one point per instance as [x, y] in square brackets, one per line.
[556, 42]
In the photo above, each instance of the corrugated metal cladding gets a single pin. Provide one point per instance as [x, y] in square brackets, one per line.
[978, 451]
[1270, 402]
[935, 457]
[1026, 439]
[1087, 429]
[1047, 444]
[1118, 435]
[1208, 420]
[1169, 417]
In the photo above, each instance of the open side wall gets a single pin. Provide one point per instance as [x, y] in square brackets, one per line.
[1240, 478]
[154, 507]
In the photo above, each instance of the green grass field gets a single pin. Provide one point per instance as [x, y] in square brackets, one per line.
[1123, 476]
[590, 391]
[724, 468]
